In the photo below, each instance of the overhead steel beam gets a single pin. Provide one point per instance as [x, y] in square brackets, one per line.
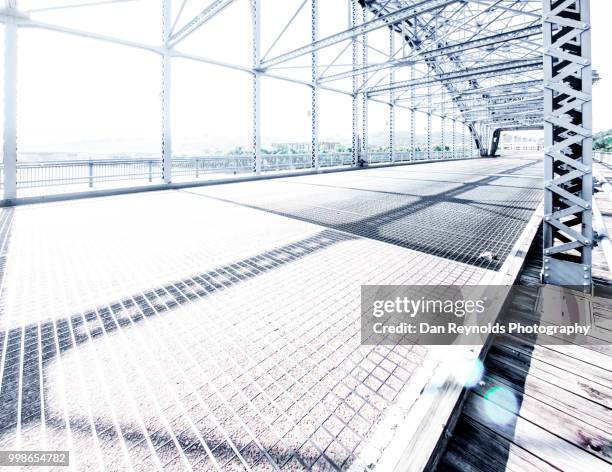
[205, 15]
[77, 5]
[568, 175]
[494, 101]
[510, 87]
[474, 73]
[387, 20]
[23, 21]
[526, 105]
[443, 51]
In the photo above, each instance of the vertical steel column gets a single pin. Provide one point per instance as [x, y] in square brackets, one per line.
[9, 152]
[568, 194]
[428, 120]
[391, 97]
[166, 93]
[364, 95]
[472, 142]
[453, 152]
[412, 114]
[463, 142]
[256, 23]
[314, 70]
[442, 126]
[355, 104]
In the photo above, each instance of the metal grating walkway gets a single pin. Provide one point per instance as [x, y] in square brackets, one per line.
[169, 331]
[473, 218]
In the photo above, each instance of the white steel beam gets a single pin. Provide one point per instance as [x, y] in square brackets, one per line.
[9, 154]
[256, 23]
[424, 55]
[314, 70]
[473, 73]
[25, 22]
[391, 99]
[166, 94]
[355, 102]
[364, 96]
[412, 115]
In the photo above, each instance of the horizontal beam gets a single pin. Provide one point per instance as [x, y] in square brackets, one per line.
[26, 22]
[77, 5]
[493, 101]
[520, 33]
[459, 76]
[387, 20]
[509, 87]
[509, 106]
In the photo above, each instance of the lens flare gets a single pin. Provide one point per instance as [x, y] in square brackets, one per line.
[501, 406]
[469, 372]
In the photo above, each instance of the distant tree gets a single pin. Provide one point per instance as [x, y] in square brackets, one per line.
[602, 141]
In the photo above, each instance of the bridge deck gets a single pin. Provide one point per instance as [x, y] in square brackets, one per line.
[218, 327]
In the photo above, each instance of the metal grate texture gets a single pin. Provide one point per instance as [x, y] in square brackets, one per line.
[167, 331]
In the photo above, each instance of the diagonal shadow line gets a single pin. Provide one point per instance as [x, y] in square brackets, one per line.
[357, 228]
[370, 226]
[406, 194]
[433, 181]
[109, 317]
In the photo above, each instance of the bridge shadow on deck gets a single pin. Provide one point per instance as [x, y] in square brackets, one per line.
[28, 351]
[480, 233]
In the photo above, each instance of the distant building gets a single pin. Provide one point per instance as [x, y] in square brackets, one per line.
[516, 143]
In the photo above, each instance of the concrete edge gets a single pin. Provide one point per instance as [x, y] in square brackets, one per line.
[191, 184]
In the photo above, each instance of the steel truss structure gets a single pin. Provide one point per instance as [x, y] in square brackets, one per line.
[568, 230]
[476, 63]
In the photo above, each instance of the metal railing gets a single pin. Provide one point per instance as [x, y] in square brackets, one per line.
[603, 157]
[52, 173]
[94, 172]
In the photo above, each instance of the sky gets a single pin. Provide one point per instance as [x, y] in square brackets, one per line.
[77, 94]
[601, 38]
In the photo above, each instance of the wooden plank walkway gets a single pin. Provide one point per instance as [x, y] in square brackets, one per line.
[601, 272]
[538, 407]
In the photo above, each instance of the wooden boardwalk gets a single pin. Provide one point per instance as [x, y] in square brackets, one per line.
[538, 407]
[601, 272]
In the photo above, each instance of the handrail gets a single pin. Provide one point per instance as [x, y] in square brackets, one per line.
[34, 174]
